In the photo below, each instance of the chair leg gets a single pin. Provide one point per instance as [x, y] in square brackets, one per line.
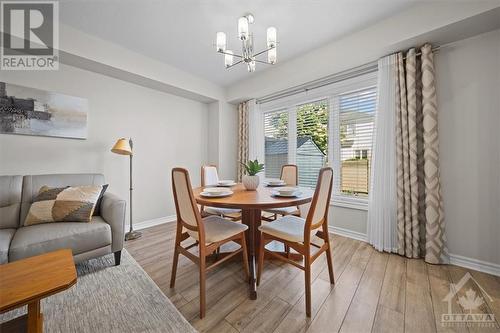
[330, 264]
[202, 286]
[307, 272]
[260, 265]
[329, 260]
[217, 252]
[174, 266]
[245, 256]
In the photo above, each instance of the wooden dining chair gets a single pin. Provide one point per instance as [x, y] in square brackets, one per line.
[208, 233]
[290, 175]
[210, 177]
[296, 233]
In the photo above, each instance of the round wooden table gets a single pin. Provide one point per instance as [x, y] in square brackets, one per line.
[251, 204]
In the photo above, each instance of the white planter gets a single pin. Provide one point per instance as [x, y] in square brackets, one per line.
[251, 182]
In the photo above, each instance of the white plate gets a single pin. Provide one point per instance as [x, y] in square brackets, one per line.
[278, 194]
[216, 195]
[226, 184]
[215, 190]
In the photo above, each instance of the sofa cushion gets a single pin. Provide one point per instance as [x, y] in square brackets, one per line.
[5, 239]
[80, 237]
[31, 185]
[10, 201]
[64, 204]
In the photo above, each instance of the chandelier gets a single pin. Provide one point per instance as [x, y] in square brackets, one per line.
[248, 56]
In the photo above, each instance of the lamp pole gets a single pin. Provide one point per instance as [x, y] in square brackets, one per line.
[131, 234]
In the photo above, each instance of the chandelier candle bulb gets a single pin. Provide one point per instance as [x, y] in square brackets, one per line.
[228, 58]
[221, 42]
[271, 37]
[271, 56]
[243, 28]
[251, 66]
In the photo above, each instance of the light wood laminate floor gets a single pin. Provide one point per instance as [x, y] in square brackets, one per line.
[374, 292]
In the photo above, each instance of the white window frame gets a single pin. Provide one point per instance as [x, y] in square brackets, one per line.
[330, 94]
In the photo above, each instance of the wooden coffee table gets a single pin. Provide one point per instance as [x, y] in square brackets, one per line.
[27, 281]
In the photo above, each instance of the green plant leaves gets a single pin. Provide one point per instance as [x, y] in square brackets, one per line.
[253, 167]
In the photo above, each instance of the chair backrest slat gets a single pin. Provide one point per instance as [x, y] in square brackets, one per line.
[185, 205]
[318, 212]
[209, 175]
[290, 174]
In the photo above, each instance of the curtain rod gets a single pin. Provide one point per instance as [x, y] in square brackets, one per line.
[369, 67]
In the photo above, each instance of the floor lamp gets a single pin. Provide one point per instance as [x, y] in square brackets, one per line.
[124, 147]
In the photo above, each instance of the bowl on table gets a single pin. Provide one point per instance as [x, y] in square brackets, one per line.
[226, 183]
[286, 191]
[216, 192]
[275, 182]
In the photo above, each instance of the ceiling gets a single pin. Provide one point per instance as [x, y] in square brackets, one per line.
[181, 33]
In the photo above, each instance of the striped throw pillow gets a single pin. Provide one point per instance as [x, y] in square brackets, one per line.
[64, 204]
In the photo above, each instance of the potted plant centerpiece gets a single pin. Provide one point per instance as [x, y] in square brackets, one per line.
[251, 180]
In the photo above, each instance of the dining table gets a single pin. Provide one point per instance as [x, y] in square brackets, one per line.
[252, 203]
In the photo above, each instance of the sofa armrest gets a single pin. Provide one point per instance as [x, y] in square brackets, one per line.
[113, 210]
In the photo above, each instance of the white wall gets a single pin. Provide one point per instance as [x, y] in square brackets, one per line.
[223, 138]
[228, 152]
[167, 130]
[468, 76]
[115, 60]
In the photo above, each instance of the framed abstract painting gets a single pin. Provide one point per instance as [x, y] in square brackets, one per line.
[30, 111]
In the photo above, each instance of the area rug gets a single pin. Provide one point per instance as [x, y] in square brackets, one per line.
[110, 298]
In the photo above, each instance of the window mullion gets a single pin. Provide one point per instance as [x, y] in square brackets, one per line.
[335, 134]
[292, 135]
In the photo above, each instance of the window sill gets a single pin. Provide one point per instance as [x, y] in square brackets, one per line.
[353, 203]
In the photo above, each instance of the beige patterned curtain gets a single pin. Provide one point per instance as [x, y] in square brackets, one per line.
[420, 219]
[242, 137]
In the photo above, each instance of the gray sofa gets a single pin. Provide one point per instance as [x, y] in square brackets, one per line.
[103, 235]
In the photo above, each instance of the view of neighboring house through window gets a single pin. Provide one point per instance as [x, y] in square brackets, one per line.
[276, 142]
[356, 112]
[333, 130]
[312, 141]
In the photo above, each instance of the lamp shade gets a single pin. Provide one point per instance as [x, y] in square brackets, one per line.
[271, 37]
[228, 58]
[221, 42]
[122, 147]
[243, 28]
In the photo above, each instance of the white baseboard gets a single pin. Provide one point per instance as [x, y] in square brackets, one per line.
[470, 263]
[475, 264]
[154, 222]
[348, 233]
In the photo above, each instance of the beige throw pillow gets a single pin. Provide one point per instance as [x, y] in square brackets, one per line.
[64, 204]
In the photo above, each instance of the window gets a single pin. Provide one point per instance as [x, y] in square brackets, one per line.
[275, 142]
[356, 114]
[332, 126]
[312, 141]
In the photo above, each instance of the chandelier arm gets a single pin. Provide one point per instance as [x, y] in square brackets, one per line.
[263, 62]
[264, 51]
[236, 63]
[235, 55]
